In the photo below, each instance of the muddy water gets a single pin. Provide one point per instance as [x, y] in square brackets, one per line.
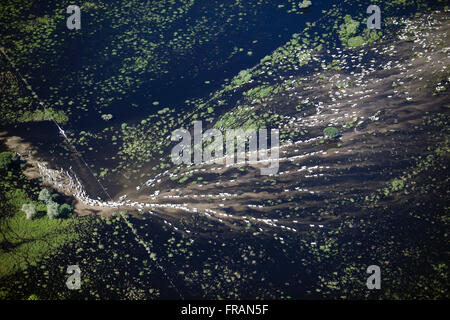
[49, 146]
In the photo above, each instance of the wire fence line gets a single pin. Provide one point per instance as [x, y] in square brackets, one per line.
[79, 155]
[139, 239]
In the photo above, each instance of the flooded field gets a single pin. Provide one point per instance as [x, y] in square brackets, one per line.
[363, 155]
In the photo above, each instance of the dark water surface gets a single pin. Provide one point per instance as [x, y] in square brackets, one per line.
[186, 73]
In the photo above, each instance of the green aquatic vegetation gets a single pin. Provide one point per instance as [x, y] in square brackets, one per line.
[350, 124]
[348, 29]
[261, 92]
[305, 4]
[243, 77]
[349, 34]
[397, 185]
[89, 6]
[141, 141]
[331, 132]
[217, 267]
[293, 54]
[107, 117]
[48, 114]
[140, 56]
[243, 118]
[355, 41]
[19, 106]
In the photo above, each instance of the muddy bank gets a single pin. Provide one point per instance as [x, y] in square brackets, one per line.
[29, 155]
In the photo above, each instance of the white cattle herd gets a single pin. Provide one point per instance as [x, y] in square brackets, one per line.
[344, 105]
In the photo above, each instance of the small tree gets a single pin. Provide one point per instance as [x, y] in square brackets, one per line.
[52, 209]
[44, 195]
[7, 160]
[30, 210]
[65, 210]
[55, 197]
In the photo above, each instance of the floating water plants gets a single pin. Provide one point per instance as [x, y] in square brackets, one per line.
[331, 132]
[223, 230]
